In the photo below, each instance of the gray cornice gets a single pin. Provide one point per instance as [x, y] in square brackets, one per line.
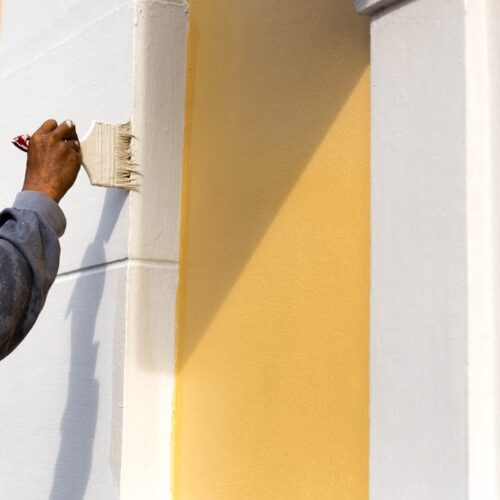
[368, 7]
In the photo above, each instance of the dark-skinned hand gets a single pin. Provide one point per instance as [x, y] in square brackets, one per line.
[54, 159]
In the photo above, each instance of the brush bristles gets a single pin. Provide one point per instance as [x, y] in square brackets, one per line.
[108, 157]
[126, 170]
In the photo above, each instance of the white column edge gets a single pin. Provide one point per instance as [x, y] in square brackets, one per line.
[154, 238]
[481, 258]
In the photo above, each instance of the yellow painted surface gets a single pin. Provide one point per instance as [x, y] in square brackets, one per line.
[272, 382]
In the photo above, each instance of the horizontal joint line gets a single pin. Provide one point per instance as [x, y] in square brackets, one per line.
[167, 264]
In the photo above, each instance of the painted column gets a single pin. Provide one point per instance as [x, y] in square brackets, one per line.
[434, 264]
[158, 125]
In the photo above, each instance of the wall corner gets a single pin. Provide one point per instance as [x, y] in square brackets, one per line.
[153, 248]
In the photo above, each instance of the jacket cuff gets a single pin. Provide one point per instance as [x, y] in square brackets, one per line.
[47, 209]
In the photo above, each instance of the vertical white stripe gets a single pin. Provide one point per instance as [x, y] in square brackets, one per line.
[158, 124]
[481, 218]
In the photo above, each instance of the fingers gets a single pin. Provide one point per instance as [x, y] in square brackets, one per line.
[66, 131]
[76, 150]
[74, 144]
[47, 127]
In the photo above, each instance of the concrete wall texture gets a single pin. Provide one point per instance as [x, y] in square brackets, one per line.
[272, 367]
[60, 391]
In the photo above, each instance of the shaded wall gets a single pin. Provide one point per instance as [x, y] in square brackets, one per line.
[272, 388]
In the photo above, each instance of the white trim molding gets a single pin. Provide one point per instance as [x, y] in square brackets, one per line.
[435, 297]
[368, 7]
[154, 235]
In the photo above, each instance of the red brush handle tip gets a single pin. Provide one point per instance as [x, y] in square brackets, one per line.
[22, 142]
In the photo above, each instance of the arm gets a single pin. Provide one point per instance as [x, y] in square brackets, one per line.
[29, 231]
[29, 258]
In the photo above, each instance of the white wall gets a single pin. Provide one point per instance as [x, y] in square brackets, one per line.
[435, 265]
[61, 390]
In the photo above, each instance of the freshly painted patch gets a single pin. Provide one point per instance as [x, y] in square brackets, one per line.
[158, 124]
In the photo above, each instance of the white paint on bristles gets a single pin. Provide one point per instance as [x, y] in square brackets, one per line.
[107, 156]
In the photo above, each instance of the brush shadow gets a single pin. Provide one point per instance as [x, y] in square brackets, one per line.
[78, 426]
[267, 85]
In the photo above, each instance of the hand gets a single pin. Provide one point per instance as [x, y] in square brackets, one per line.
[54, 159]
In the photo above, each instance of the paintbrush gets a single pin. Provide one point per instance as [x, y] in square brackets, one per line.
[106, 155]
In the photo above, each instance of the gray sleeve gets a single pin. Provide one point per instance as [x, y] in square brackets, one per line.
[29, 259]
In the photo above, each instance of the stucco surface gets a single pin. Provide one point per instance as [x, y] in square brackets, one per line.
[159, 101]
[435, 233]
[85, 76]
[272, 366]
[61, 396]
[60, 392]
[419, 361]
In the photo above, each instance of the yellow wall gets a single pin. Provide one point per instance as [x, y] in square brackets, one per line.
[272, 394]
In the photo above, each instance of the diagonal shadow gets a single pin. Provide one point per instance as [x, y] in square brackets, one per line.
[268, 80]
[74, 461]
